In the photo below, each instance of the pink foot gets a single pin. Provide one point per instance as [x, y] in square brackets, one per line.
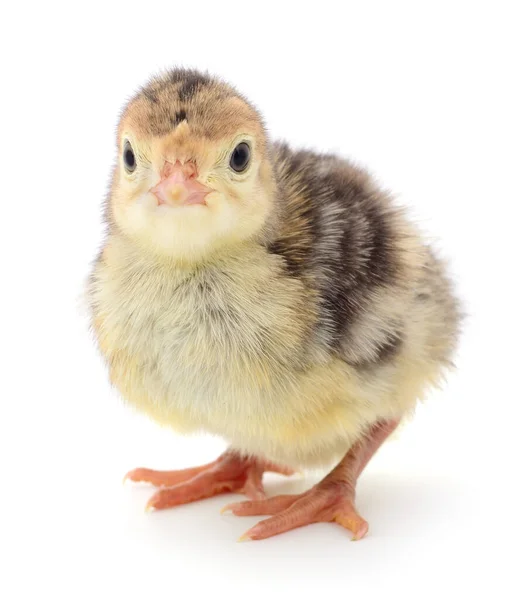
[229, 473]
[331, 500]
[323, 503]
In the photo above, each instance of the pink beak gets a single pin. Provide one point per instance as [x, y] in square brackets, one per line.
[179, 186]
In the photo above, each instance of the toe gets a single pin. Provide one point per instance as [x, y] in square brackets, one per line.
[302, 511]
[163, 478]
[270, 506]
[139, 475]
[175, 496]
[352, 521]
[276, 468]
[204, 485]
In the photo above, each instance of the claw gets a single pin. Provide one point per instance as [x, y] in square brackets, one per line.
[129, 477]
[149, 507]
[360, 533]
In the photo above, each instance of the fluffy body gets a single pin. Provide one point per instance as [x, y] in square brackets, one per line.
[288, 316]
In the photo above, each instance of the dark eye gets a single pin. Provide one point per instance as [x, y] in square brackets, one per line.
[129, 159]
[240, 157]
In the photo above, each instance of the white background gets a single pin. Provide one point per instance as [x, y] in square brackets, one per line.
[428, 96]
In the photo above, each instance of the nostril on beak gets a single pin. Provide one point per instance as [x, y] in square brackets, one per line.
[189, 170]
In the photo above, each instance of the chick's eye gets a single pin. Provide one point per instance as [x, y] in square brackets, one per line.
[240, 157]
[129, 158]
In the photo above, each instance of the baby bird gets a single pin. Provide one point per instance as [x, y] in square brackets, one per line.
[276, 298]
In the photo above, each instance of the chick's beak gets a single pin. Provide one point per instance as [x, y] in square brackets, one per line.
[178, 185]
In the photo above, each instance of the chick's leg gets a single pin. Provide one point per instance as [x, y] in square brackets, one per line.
[331, 500]
[229, 473]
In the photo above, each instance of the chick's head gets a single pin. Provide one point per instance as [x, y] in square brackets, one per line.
[193, 174]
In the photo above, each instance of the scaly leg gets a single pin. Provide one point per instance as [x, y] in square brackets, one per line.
[229, 473]
[332, 499]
